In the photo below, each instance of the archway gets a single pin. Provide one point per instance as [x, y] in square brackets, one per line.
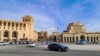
[6, 34]
[82, 40]
[14, 36]
[82, 37]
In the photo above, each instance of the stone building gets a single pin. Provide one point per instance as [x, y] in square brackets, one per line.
[16, 31]
[56, 36]
[42, 36]
[76, 31]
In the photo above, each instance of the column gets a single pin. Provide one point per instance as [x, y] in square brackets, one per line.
[66, 39]
[98, 39]
[69, 39]
[75, 39]
[63, 40]
[1, 35]
[78, 38]
[89, 39]
[10, 35]
[93, 39]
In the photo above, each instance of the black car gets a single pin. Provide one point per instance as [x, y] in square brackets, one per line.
[57, 47]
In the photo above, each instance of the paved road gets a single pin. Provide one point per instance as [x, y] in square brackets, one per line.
[22, 50]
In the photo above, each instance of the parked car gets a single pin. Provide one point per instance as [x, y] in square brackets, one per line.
[45, 42]
[32, 44]
[4, 43]
[58, 47]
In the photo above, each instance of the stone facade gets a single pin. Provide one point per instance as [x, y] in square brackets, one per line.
[56, 36]
[76, 30]
[43, 36]
[16, 31]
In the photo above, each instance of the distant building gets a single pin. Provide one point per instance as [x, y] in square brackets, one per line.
[40, 36]
[43, 36]
[16, 31]
[76, 31]
[56, 36]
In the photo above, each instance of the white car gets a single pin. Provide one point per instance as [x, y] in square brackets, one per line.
[32, 44]
[4, 43]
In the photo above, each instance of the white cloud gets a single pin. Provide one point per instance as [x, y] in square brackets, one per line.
[51, 30]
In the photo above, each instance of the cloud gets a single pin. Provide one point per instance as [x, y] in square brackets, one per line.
[51, 30]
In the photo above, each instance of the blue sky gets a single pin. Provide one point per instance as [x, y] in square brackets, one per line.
[50, 14]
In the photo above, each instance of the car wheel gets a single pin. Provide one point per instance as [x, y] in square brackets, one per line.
[59, 50]
[49, 48]
[67, 50]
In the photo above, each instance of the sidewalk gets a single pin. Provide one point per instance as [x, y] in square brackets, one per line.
[79, 47]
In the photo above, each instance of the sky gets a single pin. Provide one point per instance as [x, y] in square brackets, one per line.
[50, 14]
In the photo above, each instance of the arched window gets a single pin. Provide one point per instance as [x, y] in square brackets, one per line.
[82, 37]
[14, 34]
[6, 34]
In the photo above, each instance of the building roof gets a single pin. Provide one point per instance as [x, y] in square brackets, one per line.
[75, 23]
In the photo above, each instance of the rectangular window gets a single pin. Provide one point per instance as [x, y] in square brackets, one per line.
[12, 24]
[0, 23]
[16, 24]
[20, 25]
[9, 24]
[4, 23]
[24, 25]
